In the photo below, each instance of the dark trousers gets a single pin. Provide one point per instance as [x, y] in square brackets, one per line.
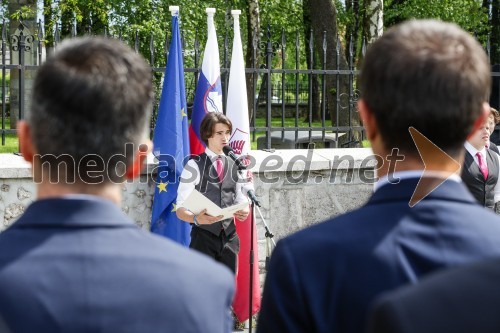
[222, 248]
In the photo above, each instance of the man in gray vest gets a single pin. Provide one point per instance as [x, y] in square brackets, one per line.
[216, 176]
[480, 168]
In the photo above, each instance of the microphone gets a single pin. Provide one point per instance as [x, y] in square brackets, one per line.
[228, 151]
[248, 190]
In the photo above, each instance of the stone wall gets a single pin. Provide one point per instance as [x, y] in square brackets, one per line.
[297, 188]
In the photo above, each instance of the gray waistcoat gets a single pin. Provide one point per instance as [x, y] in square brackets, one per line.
[223, 194]
[471, 175]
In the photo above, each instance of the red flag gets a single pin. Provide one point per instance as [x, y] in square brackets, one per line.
[237, 111]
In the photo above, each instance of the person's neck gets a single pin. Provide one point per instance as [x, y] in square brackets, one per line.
[415, 163]
[216, 151]
[478, 147]
[50, 191]
[406, 165]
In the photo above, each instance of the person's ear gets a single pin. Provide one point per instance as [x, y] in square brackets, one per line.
[485, 112]
[369, 121]
[134, 170]
[26, 146]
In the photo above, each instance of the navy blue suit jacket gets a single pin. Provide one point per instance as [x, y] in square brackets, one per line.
[82, 266]
[460, 300]
[323, 278]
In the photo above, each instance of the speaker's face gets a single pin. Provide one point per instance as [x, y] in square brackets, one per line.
[219, 138]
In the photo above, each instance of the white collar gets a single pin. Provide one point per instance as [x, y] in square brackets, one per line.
[211, 154]
[473, 151]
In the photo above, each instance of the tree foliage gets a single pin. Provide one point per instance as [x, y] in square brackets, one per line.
[146, 24]
[469, 14]
[152, 16]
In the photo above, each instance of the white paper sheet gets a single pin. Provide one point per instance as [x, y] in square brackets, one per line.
[196, 202]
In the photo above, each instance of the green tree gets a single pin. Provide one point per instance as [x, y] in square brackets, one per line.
[493, 7]
[469, 14]
[149, 22]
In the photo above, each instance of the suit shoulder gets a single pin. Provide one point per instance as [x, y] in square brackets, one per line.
[335, 231]
[186, 258]
[454, 282]
[341, 223]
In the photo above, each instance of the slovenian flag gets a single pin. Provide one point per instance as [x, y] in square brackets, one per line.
[171, 143]
[208, 97]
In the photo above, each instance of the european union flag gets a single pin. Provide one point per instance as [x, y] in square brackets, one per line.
[171, 145]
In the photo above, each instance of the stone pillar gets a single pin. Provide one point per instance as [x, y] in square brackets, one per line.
[29, 28]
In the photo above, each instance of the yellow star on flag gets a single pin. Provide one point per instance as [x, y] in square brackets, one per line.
[175, 208]
[184, 114]
[162, 187]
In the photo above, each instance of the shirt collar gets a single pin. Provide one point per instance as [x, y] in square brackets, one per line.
[473, 151]
[81, 196]
[211, 154]
[402, 175]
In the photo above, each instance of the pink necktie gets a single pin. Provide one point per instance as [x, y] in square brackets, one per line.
[220, 168]
[482, 165]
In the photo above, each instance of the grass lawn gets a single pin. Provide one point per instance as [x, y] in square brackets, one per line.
[12, 145]
[11, 142]
[276, 122]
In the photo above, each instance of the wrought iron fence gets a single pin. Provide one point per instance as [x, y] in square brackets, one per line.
[283, 99]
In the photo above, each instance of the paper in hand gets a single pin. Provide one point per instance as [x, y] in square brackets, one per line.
[197, 202]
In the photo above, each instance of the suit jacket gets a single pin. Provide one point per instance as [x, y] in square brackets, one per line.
[494, 147]
[464, 299]
[80, 265]
[323, 278]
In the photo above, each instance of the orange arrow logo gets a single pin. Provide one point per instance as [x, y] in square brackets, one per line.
[435, 161]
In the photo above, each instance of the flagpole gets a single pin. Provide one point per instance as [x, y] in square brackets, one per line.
[171, 143]
[208, 96]
[174, 10]
[236, 17]
[250, 291]
[244, 305]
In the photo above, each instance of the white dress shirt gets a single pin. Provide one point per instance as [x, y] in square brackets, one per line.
[190, 179]
[473, 151]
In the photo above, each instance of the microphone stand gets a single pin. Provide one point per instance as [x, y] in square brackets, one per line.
[268, 234]
[255, 204]
[228, 151]
[250, 291]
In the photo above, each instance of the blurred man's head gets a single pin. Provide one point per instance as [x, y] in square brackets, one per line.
[427, 74]
[91, 101]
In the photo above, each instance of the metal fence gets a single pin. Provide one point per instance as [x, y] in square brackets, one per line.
[281, 101]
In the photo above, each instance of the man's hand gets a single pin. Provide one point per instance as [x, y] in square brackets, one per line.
[204, 218]
[241, 215]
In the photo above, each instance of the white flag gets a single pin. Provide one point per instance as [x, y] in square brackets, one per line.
[237, 103]
[237, 111]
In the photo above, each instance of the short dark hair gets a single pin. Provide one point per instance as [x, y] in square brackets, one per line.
[427, 74]
[208, 124]
[93, 96]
